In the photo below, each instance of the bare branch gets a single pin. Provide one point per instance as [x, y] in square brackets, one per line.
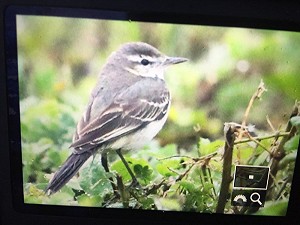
[227, 162]
[257, 95]
[279, 152]
[280, 134]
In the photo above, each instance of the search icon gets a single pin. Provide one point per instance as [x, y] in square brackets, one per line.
[255, 197]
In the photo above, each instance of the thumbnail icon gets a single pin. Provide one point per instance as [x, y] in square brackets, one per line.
[250, 185]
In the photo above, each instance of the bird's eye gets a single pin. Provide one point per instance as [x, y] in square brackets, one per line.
[145, 62]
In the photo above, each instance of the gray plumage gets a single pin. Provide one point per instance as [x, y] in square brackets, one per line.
[128, 97]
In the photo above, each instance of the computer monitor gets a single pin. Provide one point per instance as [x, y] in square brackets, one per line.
[80, 82]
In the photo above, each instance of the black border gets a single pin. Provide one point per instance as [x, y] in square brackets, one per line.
[267, 15]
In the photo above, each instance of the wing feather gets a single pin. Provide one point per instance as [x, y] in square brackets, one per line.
[119, 119]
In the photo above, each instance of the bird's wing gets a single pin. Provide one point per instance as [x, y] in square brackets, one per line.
[123, 116]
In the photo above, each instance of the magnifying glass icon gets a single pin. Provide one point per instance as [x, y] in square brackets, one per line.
[255, 197]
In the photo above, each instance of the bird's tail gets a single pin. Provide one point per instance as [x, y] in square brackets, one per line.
[66, 171]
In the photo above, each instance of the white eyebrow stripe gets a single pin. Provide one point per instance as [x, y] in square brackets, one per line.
[138, 58]
[147, 57]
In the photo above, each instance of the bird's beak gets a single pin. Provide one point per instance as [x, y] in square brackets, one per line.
[174, 60]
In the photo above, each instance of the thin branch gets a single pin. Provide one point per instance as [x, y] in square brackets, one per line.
[258, 143]
[212, 182]
[279, 152]
[173, 171]
[257, 95]
[154, 187]
[194, 159]
[280, 134]
[283, 186]
[270, 123]
[227, 162]
[179, 178]
[174, 156]
[124, 195]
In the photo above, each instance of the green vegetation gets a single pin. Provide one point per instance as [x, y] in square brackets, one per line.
[181, 169]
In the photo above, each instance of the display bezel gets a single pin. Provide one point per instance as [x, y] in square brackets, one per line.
[15, 158]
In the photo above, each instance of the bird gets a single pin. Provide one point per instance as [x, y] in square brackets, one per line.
[127, 108]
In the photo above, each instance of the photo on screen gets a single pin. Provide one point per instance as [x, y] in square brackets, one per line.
[232, 102]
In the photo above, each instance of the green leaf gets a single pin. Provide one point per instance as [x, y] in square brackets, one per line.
[261, 159]
[165, 167]
[168, 204]
[187, 185]
[292, 144]
[289, 158]
[46, 118]
[278, 208]
[119, 168]
[93, 180]
[168, 150]
[32, 199]
[143, 172]
[86, 200]
[74, 183]
[140, 167]
[147, 202]
[206, 146]
[295, 121]
[63, 197]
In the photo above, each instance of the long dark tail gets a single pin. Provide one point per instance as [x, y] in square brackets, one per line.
[66, 171]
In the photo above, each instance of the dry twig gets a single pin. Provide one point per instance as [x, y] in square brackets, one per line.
[227, 162]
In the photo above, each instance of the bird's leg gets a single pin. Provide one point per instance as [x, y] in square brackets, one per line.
[104, 163]
[135, 182]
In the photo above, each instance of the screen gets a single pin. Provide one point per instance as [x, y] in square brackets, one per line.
[102, 102]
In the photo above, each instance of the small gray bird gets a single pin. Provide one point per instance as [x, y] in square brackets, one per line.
[127, 108]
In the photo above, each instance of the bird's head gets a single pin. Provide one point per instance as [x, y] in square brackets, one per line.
[142, 59]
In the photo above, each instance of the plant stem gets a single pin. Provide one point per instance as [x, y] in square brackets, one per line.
[279, 152]
[281, 134]
[227, 162]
